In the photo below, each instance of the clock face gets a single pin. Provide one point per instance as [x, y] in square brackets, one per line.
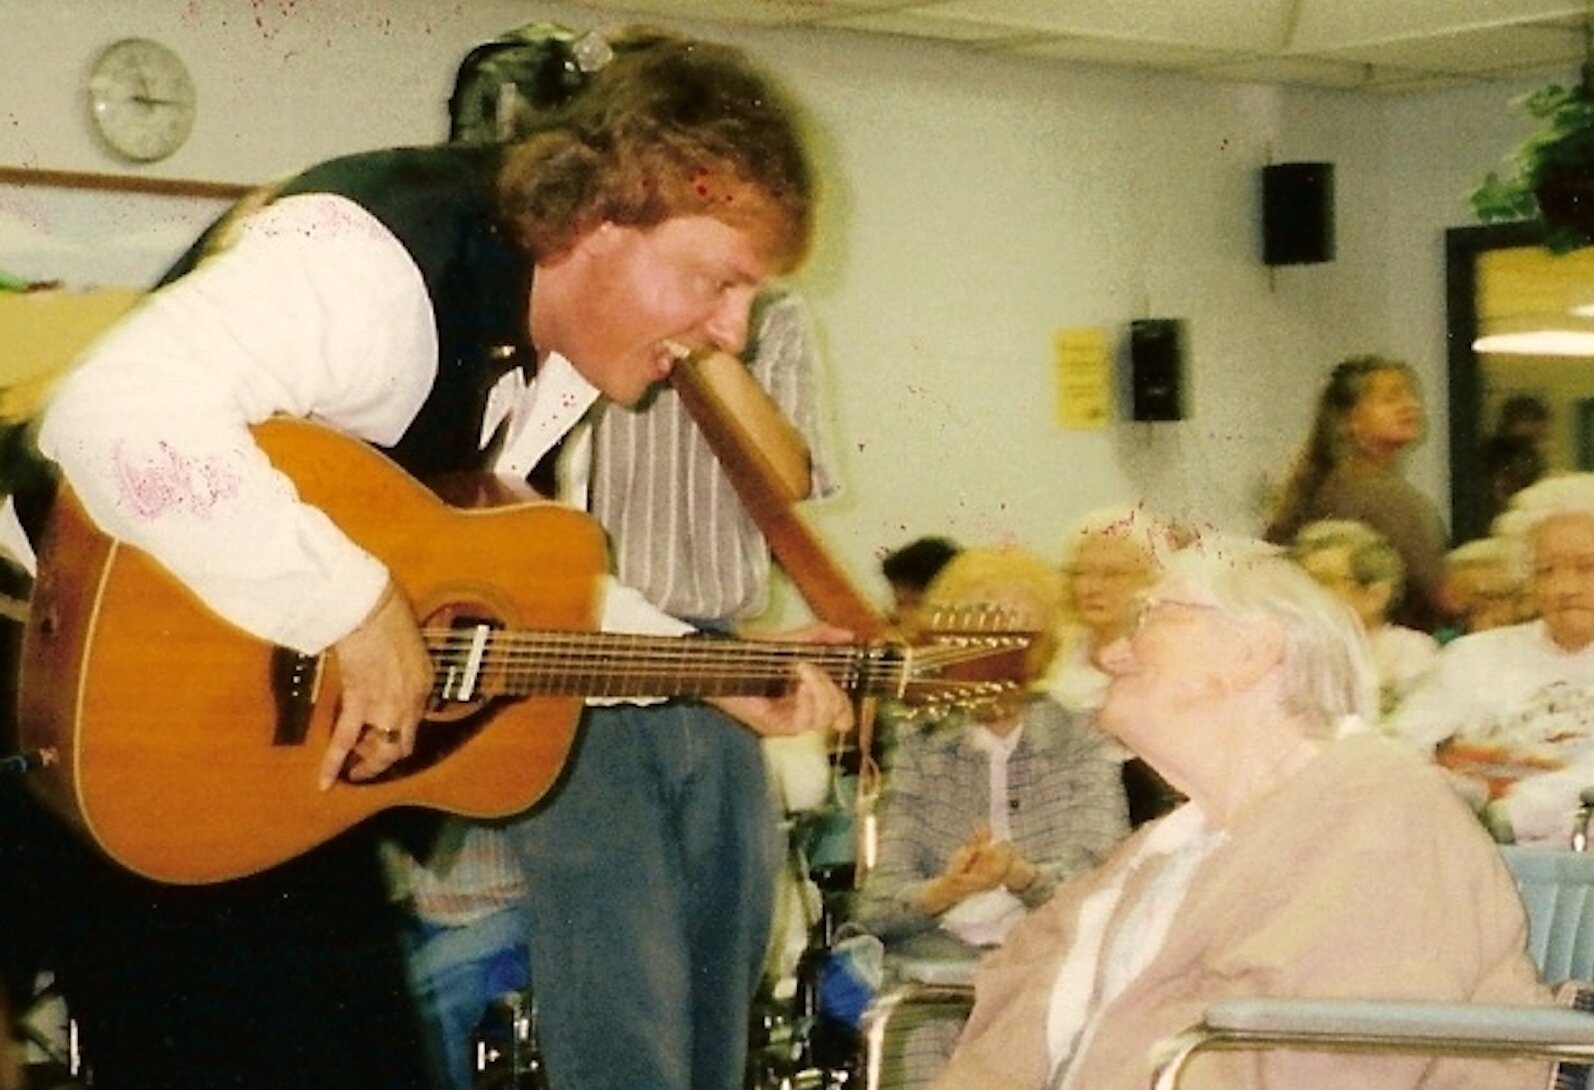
[141, 99]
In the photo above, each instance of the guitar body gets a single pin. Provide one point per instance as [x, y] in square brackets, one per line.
[188, 750]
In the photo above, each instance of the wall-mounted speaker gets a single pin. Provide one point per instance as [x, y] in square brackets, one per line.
[1156, 369]
[1297, 213]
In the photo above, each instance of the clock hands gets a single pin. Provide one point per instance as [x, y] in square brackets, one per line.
[141, 99]
[148, 95]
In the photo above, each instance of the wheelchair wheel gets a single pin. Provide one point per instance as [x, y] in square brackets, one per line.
[508, 1054]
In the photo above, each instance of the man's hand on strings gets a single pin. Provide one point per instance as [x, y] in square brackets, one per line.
[814, 702]
[386, 679]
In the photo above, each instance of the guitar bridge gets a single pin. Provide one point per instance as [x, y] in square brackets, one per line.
[293, 682]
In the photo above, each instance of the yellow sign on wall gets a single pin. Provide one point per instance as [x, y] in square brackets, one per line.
[1082, 379]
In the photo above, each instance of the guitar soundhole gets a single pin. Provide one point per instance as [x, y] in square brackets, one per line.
[441, 736]
[468, 680]
[467, 665]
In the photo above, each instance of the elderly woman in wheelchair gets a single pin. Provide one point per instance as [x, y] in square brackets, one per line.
[1510, 711]
[1311, 860]
[984, 812]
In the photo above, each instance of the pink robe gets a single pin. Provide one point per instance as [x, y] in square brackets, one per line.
[1363, 875]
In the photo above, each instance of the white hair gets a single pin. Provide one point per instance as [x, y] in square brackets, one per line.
[1130, 523]
[1328, 669]
[1373, 560]
[1506, 555]
[1563, 494]
[1479, 552]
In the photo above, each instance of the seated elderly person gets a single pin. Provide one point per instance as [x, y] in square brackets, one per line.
[1302, 865]
[1484, 587]
[1359, 566]
[1512, 709]
[1110, 557]
[984, 811]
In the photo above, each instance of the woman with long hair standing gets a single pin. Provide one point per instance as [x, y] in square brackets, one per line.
[1368, 415]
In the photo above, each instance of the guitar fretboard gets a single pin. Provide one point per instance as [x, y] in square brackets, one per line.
[479, 661]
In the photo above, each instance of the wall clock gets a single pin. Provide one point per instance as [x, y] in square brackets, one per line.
[141, 99]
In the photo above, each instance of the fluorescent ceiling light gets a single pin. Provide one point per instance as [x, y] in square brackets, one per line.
[1564, 335]
[1543, 342]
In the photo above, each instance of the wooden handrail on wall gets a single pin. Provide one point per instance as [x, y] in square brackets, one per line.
[122, 183]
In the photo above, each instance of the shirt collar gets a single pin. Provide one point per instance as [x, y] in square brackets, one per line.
[985, 740]
[537, 413]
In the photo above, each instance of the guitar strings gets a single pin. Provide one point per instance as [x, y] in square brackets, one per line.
[553, 652]
[572, 663]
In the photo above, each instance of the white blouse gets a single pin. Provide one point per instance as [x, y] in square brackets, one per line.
[1105, 959]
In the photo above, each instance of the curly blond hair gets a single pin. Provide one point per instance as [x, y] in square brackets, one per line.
[670, 127]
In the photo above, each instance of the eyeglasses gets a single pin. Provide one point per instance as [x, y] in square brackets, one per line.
[1337, 580]
[1581, 567]
[1105, 574]
[1496, 596]
[1150, 603]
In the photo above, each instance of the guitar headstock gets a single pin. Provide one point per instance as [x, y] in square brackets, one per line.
[968, 657]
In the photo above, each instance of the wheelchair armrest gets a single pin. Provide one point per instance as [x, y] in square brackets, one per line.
[955, 990]
[944, 972]
[1401, 1020]
[1366, 1025]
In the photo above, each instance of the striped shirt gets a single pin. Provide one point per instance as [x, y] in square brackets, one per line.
[679, 533]
[470, 873]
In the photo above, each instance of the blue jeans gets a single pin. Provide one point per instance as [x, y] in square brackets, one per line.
[652, 873]
[456, 972]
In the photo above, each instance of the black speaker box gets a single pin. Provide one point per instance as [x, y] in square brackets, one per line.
[1297, 213]
[1156, 369]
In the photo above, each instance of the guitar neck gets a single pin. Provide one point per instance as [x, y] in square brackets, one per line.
[822, 582]
[480, 662]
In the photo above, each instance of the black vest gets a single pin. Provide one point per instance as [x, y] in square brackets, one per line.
[438, 203]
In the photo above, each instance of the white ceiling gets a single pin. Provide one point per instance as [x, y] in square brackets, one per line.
[1383, 46]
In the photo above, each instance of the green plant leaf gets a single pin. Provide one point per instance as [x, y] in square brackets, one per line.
[1564, 142]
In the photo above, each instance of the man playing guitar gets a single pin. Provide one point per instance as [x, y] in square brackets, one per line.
[437, 303]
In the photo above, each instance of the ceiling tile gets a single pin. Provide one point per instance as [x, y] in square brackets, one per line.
[754, 12]
[914, 24]
[1238, 24]
[1332, 24]
[1110, 51]
[765, 12]
[1475, 50]
[1528, 280]
[1378, 46]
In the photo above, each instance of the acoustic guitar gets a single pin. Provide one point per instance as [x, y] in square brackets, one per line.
[187, 750]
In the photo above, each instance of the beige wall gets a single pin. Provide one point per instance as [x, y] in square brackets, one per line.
[974, 206]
